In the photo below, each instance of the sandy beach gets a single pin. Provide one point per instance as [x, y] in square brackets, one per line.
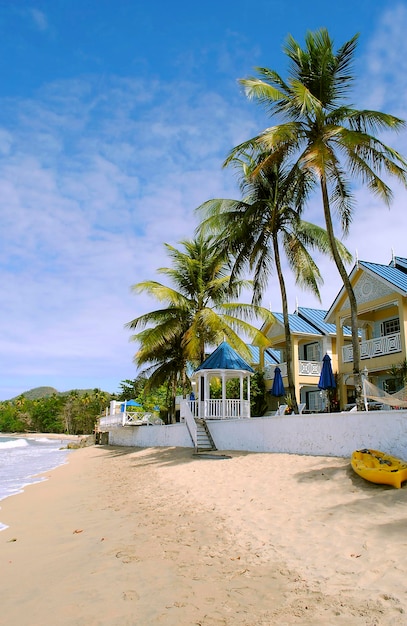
[125, 536]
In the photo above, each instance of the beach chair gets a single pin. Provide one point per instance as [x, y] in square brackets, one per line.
[301, 407]
[281, 409]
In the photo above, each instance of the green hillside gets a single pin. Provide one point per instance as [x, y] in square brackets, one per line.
[39, 392]
[45, 392]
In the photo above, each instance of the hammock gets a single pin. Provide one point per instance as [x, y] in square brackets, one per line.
[372, 392]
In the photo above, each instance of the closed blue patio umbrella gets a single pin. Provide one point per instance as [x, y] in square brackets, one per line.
[278, 387]
[327, 378]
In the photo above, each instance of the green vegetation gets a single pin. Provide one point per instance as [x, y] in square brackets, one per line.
[199, 313]
[317, 141]
[38, 392]
[318, 134]
[44, 409]
[255, 230]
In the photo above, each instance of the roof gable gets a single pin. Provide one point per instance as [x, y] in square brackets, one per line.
[377, 280]
[393, 276]
[225, 358]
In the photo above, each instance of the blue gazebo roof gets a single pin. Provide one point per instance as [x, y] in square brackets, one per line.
[225, 358]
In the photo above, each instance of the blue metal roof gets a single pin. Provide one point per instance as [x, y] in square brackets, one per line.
[225, 358]
[297, 324]
[271, 357]
[317, 318]
[394, 276]
[401, 263]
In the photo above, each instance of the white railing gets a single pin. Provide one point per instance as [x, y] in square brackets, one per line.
[187, 413]
[305, 368]
[218, 409]
[128, 418]
[309, 368]
[372, 348]
[111, 420]
[224, 409]
[269, 370]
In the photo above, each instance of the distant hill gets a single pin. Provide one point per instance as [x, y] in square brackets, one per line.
[44, 392]
[38, 392]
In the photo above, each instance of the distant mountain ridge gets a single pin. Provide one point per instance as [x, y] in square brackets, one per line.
[44, 392]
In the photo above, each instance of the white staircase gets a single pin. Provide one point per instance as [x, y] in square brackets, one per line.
[204, 442]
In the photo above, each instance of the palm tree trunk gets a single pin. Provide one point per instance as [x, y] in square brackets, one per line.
[351, 295]
[291, 385]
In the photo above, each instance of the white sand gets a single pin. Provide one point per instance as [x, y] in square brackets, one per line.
[123, 536]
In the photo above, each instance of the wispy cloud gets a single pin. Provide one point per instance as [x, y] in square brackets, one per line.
[97, 173]
[38, 18]
[94, 180]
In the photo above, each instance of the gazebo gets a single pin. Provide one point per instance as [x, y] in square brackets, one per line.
[224, 364]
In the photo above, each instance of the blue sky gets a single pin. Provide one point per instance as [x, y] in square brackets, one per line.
[115, 118]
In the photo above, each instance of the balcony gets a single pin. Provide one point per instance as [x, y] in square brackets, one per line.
[305, 368]
[380, 346]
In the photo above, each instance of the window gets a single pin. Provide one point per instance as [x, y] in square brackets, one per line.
[390, 327]
[311, 352]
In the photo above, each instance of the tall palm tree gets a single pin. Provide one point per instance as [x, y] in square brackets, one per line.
[255, 229]
[329, 139]
[198, 312]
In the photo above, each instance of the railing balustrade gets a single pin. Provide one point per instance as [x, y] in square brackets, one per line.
[309, 368]
[217, 409]
[125, 418]
[269, 370]
[305, 368]
[110, 420]
[225, 409]
[379, 346]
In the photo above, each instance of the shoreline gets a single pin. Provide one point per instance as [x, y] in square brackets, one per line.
[62, 436]
[157, 536]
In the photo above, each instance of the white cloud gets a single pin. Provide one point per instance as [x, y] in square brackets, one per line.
[39, 19]
[91, 192]
[97, 174]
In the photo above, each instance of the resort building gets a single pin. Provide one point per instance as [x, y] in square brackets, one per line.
[311, 338]
[381, 294]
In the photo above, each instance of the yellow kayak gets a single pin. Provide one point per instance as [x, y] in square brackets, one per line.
[378, 467]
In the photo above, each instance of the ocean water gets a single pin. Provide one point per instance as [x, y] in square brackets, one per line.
[22, 459]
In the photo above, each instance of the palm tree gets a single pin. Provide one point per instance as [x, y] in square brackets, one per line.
[255, 229]
[330, 140]
[198, 312]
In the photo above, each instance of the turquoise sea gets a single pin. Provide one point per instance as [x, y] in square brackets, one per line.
[22, 459]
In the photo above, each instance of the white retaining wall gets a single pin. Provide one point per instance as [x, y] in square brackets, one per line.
[150, 436]
[322, 434]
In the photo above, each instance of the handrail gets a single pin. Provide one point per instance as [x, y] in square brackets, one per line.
[186, 413]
